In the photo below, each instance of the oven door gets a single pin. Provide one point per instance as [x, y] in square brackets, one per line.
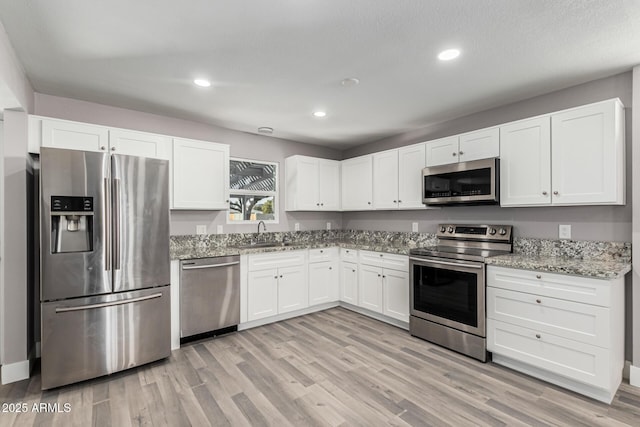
[449, 292]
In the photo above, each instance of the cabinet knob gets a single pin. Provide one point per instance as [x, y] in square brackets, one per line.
[381, 255]
[113, 148]
[317, 204]
[321, 250]
[226, 201]
[538, 336]
[281, 276]
[102, 147]
[368, 203]
[395, 201]
[555, 193]
[461, 152]
[399, 201]
[379, 275]
[321, 204]
[275, 277]
[330, 268]
[353, 271]
[454, 154]
[544, 193]
[384, 277]
[538, 276]
[539, 301]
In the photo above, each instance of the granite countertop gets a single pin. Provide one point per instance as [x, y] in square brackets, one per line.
[605, 268]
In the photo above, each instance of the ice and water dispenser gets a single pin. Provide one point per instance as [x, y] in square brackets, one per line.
[71, 224]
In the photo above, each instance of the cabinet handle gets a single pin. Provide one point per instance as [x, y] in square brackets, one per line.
[330, 268]
[380, 254]
[368, 203]
[226, 201]
[395, 201]
[281, 276]
[275, 277]
[113, 148]
[353, 271]
[538, 336]
[539, 301]
[455, 154]
[461, 152]
[555, 193]
[399, 201]
[317, 204]
[538, 276]
[384, 277]
[321, 250]
[321, 204]
[544, 193]
[102, 147]
[379, 275]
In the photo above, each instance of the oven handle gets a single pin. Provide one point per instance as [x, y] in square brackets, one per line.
[453, 264]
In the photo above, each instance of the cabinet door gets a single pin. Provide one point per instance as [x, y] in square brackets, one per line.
[323, 281]
[588, 155]
[411, 161]
[525, 163]
[480, 144]
[302, 184]
[293, 290]
[395, 300]
[200, 175]
[370, 288]
[442, 151]
[262, 294]
[74, 136]
[349, 282]
[357, 183]
[329, 185]
[385, 180]
[140, 144]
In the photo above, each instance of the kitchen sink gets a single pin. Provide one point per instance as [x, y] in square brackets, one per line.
[258, 245]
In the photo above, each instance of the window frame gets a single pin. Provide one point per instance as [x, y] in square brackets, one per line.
[275, 194]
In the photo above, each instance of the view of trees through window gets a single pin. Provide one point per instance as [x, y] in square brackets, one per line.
[253, 191]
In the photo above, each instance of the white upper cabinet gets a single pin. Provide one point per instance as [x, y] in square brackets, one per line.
[525, 162]
[357, 183]
[411, 161]
[70, 135]
[572, 157]
[476, 145]
[312, 184]
[141, 144]
[200, 175]
[385, 180]
[588, 155]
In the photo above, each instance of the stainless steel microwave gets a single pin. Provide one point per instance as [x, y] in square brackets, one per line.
[466, 183]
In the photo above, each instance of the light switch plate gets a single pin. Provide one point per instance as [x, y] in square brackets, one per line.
[414, 227]
[296, 226]
[219, 229]
[201, 229]
[564, 231]
[328, 226]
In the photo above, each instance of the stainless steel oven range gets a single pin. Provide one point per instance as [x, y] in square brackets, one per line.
[448, 286]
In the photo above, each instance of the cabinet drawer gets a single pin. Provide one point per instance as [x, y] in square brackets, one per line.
[275, 260]
[349, 255]
[572, 288]
[579, 361]
[586, 323]
[322, 254]
[380, 259]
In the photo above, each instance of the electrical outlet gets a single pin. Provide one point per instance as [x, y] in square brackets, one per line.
[564, 231]
[296, 226]
[328, 226]
[219, 229]
[201, 229]
[414, 227]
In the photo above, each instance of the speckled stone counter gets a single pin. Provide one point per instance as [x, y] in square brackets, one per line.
[203, 246]
[602, 260]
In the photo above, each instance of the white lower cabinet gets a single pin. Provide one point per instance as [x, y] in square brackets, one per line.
[349, 282]
[395, 295]
[324, 279]
[262, 298]
[537, 326]
[293, 291]
[384, 284]
[370, 288]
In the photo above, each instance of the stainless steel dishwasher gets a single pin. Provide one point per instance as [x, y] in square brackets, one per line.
[209, 294]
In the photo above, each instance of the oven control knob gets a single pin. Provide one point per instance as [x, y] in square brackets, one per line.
[443, 229]
[503, 231]
[492, 231]
[450, 229]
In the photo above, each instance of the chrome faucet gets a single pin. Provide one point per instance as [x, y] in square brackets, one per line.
[264, 227]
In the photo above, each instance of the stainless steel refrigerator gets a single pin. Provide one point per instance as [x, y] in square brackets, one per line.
[104, 246]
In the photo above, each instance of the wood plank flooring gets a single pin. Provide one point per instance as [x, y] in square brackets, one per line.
[334, 368]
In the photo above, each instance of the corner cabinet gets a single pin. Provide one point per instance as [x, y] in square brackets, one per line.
[200, 175]
[312, 184]
[567, 330]
[357, 183]
[572, 157]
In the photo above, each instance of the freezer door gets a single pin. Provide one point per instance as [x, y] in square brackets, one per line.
[88, 337]
[140, 222]
[74, 247]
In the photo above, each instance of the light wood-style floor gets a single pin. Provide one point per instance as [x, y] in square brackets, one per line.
[330, 368]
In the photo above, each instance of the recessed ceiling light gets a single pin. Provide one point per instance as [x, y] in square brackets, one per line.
[202, 82]
[448, 55]
[266, 130]
[351, 81]
[319, 114]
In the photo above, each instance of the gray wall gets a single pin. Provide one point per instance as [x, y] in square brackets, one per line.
[242, 145]
[588, 223]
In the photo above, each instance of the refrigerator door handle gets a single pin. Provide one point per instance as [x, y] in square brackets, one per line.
[107, 304]
[116, 224]
[107, 228]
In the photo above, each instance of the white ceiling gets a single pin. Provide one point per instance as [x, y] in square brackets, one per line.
[272, 63]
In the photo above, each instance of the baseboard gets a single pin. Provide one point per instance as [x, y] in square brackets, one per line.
[285, 316]
[16, 371]
[634, 375]
[378, 316]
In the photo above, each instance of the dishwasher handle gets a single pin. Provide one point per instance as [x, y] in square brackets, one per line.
[198, 267]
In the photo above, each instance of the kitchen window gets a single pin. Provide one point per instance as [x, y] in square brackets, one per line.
[253, 192]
